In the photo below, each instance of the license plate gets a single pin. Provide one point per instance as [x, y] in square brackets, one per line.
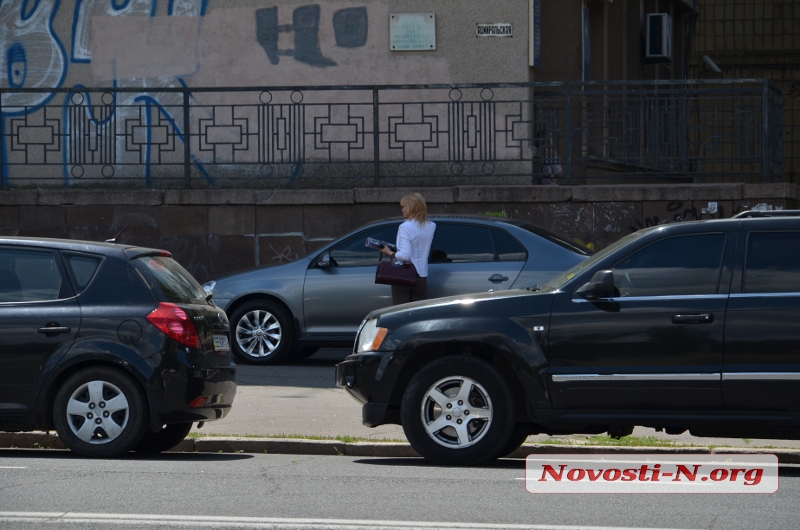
[221, 343]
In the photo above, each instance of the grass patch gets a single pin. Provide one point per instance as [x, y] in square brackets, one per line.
[340, 438]
[625, 441]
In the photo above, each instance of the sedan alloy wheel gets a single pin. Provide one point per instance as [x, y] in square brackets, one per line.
[261, 333]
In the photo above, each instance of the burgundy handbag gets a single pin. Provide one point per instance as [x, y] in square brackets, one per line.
[392, 273]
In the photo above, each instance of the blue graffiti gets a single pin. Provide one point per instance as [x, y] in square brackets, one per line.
[17, 65]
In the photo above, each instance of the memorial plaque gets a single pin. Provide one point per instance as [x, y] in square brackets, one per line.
[412, 31]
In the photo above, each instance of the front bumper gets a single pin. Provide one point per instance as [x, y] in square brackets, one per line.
[370, 379]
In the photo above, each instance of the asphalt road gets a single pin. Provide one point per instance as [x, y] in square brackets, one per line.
[303, 399]
[52, 489]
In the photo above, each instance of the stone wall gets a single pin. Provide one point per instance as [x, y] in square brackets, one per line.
[212, 232]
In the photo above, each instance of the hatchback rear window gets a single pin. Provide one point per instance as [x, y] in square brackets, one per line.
[170, 281]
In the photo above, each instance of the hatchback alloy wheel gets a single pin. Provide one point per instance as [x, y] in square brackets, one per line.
[100, 412]
[97, 412]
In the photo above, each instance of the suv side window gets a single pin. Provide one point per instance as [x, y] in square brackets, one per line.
[29, 276]
[772, 262]
[353, 253]
[459, 243]
[683, 265]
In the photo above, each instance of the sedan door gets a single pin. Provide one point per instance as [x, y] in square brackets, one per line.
[658, 343]
[337, 297]
[39, 320]
[468, 258]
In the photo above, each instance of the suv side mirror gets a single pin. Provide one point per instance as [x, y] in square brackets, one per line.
[324, 261]
[600, 286]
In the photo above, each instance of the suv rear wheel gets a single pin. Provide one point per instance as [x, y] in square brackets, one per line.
[261, 332]
[100, 412]
[458, 411]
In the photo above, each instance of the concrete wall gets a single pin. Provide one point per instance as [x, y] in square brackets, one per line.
[214, 43]
[212, 232]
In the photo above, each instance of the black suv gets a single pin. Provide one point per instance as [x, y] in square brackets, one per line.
[114, 346]
[683, 326]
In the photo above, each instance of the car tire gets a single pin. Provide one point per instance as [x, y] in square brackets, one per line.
[158, 442]
[486, 415]
[519, 434]
[119, 425]
[262, 333]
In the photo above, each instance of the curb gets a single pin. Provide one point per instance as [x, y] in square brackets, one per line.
[289, 446]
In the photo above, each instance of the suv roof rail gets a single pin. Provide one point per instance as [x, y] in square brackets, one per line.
[767, 213]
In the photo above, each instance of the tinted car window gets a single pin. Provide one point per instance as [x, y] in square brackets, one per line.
[459, 243]
[773, 262]
[83, 268]
[353, 253]
[686, 265]
[507, 248]
[169, 279]
[28, 276]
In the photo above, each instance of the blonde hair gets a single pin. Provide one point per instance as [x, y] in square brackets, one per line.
[417, 209]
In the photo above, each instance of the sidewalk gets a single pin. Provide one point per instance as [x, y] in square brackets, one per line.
[275, 407]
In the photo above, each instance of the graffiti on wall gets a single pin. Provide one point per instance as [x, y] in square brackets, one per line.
[33, 54]
[350, 27]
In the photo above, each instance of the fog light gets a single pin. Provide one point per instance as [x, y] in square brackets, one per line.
[198, 402]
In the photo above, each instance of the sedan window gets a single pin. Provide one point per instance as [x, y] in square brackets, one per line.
[773, 262]
[353, 253]
[685, 265]
[28, 276]
[460, 243]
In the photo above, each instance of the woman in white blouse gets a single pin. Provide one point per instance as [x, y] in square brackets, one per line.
[414, 238]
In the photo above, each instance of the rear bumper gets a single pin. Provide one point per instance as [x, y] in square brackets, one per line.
[183, 393]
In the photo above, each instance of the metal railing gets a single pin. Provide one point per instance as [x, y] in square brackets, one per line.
[380, 135]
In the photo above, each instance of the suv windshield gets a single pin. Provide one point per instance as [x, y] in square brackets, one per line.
[556, 283]
[171, 282]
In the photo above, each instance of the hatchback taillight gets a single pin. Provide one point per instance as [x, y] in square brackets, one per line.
[175, 324]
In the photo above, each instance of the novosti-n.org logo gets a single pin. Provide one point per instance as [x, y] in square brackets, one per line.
[651, 473]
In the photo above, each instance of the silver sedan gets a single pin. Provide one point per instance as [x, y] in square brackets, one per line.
[291, 310]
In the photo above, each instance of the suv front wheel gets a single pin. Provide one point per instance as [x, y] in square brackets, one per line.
[458, 411]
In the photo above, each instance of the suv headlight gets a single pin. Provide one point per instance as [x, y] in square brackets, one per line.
[208, 287]
[370, 337]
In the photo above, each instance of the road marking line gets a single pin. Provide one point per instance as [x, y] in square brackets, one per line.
[269, 522]
[13, 467]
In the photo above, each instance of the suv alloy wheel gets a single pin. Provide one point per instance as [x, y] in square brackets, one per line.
[458, 410]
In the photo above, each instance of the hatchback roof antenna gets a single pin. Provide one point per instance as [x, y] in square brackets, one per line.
[114, 239]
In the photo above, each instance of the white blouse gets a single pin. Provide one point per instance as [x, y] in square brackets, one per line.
[414, 244]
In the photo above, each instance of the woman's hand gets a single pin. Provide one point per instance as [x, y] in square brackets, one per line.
[386, 252]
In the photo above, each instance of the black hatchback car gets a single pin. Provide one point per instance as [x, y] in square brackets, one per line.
[116, 347]
[684, 326]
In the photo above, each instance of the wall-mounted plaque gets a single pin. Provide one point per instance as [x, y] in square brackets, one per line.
[412, 31]
[498, 29]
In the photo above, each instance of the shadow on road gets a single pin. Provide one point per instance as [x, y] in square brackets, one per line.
[161, 457]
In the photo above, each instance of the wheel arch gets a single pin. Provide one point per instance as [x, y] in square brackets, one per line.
[427, 353]
[253, 297]
[49, 396]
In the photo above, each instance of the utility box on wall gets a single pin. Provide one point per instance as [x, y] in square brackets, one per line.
[659, 36]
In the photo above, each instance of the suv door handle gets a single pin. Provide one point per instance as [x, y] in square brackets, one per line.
[52, 331]
[498, 278]
[701, 318]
